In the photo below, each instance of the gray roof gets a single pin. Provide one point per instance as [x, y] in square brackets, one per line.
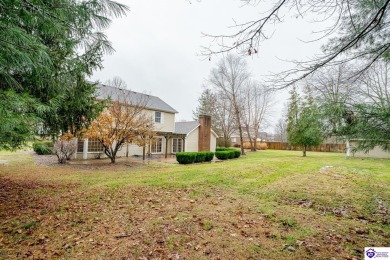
[185, 127]
[131, 97]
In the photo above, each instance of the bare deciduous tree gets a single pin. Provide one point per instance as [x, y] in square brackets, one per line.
[374, 85]
[215, 104]
[281, 130]
[230, 77]
[334, 94]
[359, 33]
[117, 82]
[371, 124]
[224, 119]
[257, 103]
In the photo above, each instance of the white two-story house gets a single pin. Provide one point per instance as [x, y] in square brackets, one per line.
[171, 137]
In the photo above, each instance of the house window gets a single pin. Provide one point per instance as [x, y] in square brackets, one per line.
[177, 145]
[80, 145]
[94, 145]
[157, 117]
[156, 146]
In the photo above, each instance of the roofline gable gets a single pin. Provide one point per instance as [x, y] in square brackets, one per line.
[193, 130]
[167, 109]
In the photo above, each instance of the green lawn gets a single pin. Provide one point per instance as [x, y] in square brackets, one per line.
[268, 204]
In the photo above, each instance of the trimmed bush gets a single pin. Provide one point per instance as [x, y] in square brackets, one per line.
[231, 154]
[234, 153]
[42, 148]
[220, 149]
[191, 157]
[186, 157]
[222, 155]
[200, 157]
[237, 153]
[209, 156]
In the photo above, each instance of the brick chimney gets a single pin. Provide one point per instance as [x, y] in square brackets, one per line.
[204, 133]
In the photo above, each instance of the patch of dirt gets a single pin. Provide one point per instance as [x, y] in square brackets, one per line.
[45, 160]
[91, 164]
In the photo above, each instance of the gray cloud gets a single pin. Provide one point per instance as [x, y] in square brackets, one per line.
[157, 45]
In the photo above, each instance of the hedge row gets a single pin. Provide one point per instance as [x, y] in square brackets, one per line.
[224, 153]
[194, 157]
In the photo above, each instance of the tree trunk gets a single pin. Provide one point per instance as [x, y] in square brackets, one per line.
[112, 158]
[255, 138]
[304, 151]
[108, 153]
[241, 139]
[255, 144]
[143, 152]
[249, 137]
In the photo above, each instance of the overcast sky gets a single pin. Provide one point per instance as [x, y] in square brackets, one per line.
[158, 44]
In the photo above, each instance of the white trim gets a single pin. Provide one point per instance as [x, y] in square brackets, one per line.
[161, 117]
[181, 145]
[85, 149]
[193, 130]
[212, 131]
[162, 145]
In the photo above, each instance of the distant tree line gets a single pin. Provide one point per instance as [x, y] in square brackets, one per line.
[235, 101]
[336, 103]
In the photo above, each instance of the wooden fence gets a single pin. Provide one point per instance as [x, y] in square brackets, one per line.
[337, 148]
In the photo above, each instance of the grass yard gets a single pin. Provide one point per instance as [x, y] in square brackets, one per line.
[266, 205]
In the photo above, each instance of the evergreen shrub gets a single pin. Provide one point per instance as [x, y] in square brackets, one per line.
[209, 156]
[42, 148]
[222, 155]
[200, 157]
[186, 157]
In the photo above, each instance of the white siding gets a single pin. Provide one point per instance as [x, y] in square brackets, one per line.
[168, 121]
[377, 152]
[91, 155]
[192, 141]
[168, 124]
[133, 149]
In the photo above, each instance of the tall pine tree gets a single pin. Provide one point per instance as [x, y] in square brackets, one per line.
[47, 50]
